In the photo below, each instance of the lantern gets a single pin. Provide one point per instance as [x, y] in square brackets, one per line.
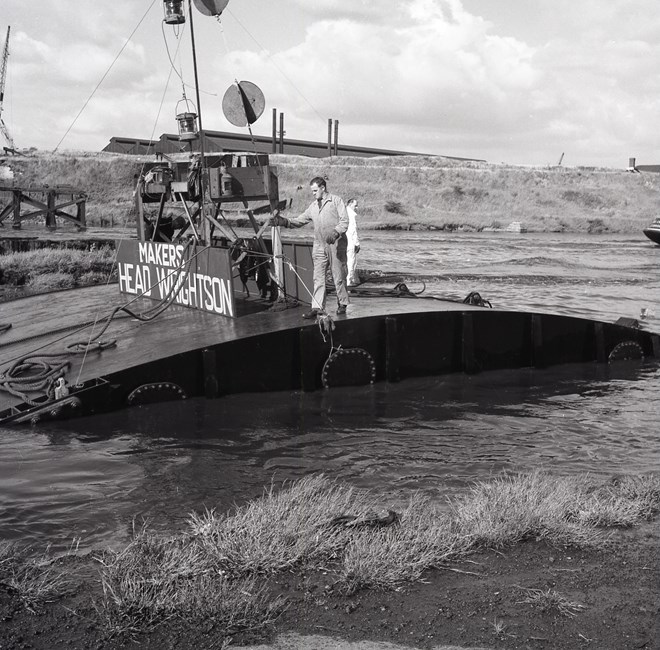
[187, 120]
[173, 10]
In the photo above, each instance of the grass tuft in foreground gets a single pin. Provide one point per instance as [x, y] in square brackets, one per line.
[34, 578]
[569, 511]
[217, 570]
[155, 579]
[282, 529]
[384, 557]
[550, 600]
[213, 569]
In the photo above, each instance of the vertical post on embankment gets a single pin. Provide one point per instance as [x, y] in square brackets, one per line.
[330, 138]
[274, 143]
[281, 132]
[336, 136]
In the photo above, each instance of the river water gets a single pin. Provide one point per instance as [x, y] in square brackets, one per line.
[89, 479]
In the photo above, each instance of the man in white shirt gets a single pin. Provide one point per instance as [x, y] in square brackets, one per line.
[353, 244]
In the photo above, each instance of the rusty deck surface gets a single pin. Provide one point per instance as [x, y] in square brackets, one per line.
[48, 323]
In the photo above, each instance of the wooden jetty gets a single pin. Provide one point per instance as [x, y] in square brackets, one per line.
[189, 352]
[49, 201]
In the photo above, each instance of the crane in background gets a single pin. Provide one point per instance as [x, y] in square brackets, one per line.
[3, 75]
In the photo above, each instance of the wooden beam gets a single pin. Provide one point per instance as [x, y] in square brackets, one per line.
[6, 211]
[140, 210]
[220, 227]
[17, 209]
[51, 222]
[51, 209]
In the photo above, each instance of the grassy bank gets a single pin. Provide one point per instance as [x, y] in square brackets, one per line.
[58, 268]
[218, 569]
[418, 192]
[408, 192]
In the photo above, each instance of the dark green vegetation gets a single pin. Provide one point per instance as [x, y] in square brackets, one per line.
[226, 573]
[407, 192]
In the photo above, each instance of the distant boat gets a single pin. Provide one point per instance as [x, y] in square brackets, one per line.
[653, 231]
[516, 226]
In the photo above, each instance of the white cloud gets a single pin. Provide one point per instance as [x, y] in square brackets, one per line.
[460, 77]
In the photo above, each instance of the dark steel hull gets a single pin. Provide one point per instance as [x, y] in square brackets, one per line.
[188, 353]
[653, 233]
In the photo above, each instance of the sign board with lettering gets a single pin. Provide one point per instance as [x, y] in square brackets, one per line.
[199, 277]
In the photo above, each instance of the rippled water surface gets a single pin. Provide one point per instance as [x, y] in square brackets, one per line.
[89, 478]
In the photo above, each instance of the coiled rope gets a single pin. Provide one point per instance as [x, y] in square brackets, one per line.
[37, 373]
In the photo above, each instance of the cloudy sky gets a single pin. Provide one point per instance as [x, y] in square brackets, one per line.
[515, 81]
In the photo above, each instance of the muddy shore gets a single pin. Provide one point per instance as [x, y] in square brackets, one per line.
[606, 599]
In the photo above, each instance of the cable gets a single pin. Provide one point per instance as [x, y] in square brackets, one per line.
[20, 378]
[167, 50]
[179, 74]
[153, 130]
[275, 64]
[105, 75]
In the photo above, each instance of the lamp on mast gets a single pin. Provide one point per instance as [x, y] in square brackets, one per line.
[187, 119]
[173, 10]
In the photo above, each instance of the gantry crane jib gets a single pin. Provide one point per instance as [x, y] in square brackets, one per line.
[3, 76]
[3, 67]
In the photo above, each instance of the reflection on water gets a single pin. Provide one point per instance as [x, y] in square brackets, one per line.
[90, 477]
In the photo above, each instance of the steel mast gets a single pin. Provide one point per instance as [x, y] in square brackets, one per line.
[3, 76]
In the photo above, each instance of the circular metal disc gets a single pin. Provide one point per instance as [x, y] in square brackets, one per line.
[211, 7]
[243, 103]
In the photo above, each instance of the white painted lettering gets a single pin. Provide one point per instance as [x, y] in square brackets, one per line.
[125, 279]
[179, 255]
[143, 248]
[218, 305]
[208, 289]
[192, 289]
[227, 305]
[164, 281]
[139, 283]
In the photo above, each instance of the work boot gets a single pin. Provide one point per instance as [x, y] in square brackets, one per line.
[313, 313]
[341, 310]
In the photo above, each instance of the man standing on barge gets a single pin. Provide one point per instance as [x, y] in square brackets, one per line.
[330, 218]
